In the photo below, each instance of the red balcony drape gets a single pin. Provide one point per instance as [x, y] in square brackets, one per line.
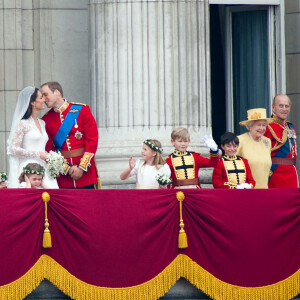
[124, 243]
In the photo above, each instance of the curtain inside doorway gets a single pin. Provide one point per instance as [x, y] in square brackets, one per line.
[250, 63]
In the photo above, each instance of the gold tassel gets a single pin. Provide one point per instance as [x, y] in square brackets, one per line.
[46, 236]
[182, 238]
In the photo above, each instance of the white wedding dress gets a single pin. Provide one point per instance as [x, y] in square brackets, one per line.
[24, 148]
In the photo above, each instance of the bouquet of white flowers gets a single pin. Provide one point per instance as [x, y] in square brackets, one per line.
[55, 164]
[3, 177]
[163, 179]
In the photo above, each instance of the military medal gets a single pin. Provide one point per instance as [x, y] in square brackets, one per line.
[293, 133]
[78, 134]
[289, 133]
[76, 125]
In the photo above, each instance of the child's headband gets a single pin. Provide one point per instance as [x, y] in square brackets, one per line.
[152, 146]
[28, 171]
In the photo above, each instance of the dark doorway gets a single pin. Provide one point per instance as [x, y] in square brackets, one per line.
[218, 92]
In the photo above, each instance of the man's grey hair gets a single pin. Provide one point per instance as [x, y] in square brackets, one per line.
[275, 98]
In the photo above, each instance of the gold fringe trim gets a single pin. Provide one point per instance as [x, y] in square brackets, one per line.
[23, 286]
[182, 266]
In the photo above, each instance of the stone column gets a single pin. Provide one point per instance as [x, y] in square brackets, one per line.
[41, 41]
[292, 29]
[16, 43]
[149, 74]
[61, 46]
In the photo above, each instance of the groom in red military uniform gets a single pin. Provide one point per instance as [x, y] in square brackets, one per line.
[284, 148]
[73, 131]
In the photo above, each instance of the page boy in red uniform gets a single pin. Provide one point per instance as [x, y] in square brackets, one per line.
[185, 164]
[232, 171]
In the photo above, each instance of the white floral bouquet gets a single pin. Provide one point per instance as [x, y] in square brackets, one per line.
[162, 179]
[55, 164]
[3, 177]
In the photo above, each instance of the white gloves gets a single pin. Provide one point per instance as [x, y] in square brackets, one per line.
[244, 185]
[210, 143]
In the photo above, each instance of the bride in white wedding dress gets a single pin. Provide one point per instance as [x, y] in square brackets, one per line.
[28, 137]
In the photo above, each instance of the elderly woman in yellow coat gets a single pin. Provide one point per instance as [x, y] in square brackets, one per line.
[255, 147]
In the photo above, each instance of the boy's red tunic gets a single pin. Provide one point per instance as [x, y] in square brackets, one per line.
[232, 171]
[185, 166]
[80, 146]
[284, 153]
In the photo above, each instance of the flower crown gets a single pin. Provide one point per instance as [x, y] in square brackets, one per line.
[152, 146]
[3, 177]
[28, 171]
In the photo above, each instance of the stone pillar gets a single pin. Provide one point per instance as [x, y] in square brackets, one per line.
[40, 41]
[292, 29]
[149, 74]
[61, 46]
[16, 42]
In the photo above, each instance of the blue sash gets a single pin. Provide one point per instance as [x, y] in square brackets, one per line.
[284, 150]
[66, 126]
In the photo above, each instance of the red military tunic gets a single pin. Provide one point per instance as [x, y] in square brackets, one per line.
[80, 146]
[284, 153]
[232, 171]
[185, 166]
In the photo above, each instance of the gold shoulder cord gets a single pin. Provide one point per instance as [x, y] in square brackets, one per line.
[279, 142]
[83, 104]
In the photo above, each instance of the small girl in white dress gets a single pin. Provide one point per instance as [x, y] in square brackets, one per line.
[147, 170]
[32, 177]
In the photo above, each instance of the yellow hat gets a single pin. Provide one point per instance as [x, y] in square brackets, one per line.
[256, 114]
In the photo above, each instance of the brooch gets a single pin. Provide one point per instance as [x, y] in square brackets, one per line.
[78, 135]
[266, 143]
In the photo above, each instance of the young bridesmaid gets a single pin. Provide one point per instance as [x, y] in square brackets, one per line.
[32, 177]
[149, 168]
